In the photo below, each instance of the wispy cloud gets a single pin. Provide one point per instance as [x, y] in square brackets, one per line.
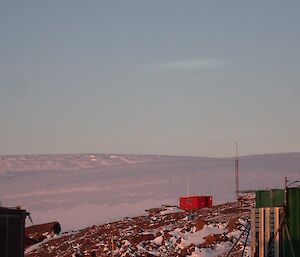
[192, 65]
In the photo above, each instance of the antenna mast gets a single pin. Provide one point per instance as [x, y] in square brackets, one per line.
[236, 172]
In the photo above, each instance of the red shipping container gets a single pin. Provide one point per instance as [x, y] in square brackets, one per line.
[208, 201]
[195, 202]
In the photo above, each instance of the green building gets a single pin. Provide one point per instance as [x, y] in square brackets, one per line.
[276, 198]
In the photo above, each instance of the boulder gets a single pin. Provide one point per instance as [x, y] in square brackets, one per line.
[37, 233]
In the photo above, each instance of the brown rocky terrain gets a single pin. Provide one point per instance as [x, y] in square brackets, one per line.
[165, 231]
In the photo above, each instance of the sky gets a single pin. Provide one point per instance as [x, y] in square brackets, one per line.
[149, 77]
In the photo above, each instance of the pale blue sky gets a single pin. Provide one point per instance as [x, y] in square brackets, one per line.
[153, 77]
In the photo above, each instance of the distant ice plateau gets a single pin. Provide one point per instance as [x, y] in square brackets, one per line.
[80, 190]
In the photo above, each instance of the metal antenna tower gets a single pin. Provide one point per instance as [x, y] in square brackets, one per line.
[236, 172]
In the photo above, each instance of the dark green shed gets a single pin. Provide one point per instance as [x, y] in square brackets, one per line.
[12, 223]
[293, 220]
[270, 198]
[275, 198]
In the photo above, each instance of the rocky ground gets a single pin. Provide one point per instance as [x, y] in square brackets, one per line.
[165, 231]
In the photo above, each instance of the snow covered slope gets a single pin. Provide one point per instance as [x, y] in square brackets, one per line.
[168, 232]
[83, 190]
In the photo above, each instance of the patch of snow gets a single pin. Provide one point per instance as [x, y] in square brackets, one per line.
[217, 251]
[158, 240]
[197, 237]
[171, 210]
[126, 243]
[38, 245]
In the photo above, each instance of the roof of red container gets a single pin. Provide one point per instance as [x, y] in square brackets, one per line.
[192, 196]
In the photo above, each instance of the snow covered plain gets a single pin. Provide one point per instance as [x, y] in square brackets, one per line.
[83, 190]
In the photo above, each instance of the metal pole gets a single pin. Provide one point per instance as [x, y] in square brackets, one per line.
[285, 192]
[112, 246]
[247, 227]
[273, 238]
[245, 243]
[236, 171]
